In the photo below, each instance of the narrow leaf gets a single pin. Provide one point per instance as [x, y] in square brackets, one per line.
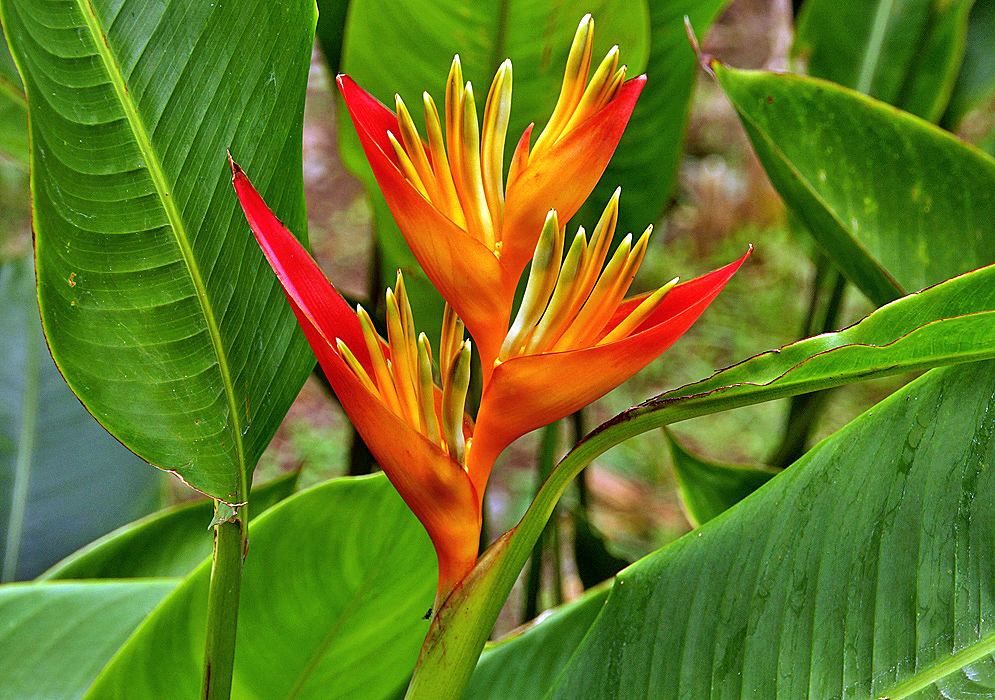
[707, 488]
[153, 294]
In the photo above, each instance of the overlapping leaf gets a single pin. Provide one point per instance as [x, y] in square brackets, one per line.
[953, 322]
[334, 594]
[157, 305]
[896, 203]
[63, 480]
[863, 571]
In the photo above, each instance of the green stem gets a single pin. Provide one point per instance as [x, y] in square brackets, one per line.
[222, 604]
[533, 581]
[805, 409]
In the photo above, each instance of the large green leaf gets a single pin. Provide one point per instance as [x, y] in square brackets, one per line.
[407, 49]
[56, 637]
[897, 204]
[13, 109]
[905, 53]
[171, 542]
[334, 594]
[950, 323]
[646, 160]
[864, 571]
[63, 480]
[157, 304]
[707, 488]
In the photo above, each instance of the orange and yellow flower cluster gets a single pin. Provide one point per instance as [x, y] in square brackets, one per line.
[574, 336]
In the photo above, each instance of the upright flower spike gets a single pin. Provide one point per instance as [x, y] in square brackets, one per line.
[472, 232]
[417, 432]
[575, 338]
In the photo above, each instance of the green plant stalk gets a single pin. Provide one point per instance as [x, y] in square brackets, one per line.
[533, 582]
[222, 605]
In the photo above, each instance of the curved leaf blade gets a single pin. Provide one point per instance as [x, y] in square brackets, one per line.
[356, 572]
[170, 542]
[862, 571]
[56, 637]
[63, 480]
[153, 296]
[896, 203]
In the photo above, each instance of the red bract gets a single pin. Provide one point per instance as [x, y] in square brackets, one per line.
[420, 462]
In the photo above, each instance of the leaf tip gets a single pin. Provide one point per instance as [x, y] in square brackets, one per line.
[703, 59]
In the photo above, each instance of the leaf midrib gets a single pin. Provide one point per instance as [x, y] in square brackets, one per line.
[158, 177]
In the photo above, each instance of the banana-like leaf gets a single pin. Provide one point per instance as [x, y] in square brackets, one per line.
[898, 204]
[863, 571]
[407, 48]
[334, 596]
[13, 109]
[56, 637]
[171, 542]
[707, 488]
[646, 160]
[906, 54]
[63, 480]
[159, 308]
[953, 322]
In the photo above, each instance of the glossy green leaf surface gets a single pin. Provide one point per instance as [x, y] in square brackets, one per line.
[334, 593]
[646, 160]
[526, 661]
[13, 109]
[408, 48]
[708, 489]
[158, 306]
[331, 31]
[896, 203]
[63, 480]
[170, 542]
[865, 570]
[907, 53]
[56, 637]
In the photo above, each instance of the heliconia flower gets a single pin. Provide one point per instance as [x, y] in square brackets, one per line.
[417, 432]
[575, 338]
[471, 232]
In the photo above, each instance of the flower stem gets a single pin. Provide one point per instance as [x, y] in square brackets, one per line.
[222, 603]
